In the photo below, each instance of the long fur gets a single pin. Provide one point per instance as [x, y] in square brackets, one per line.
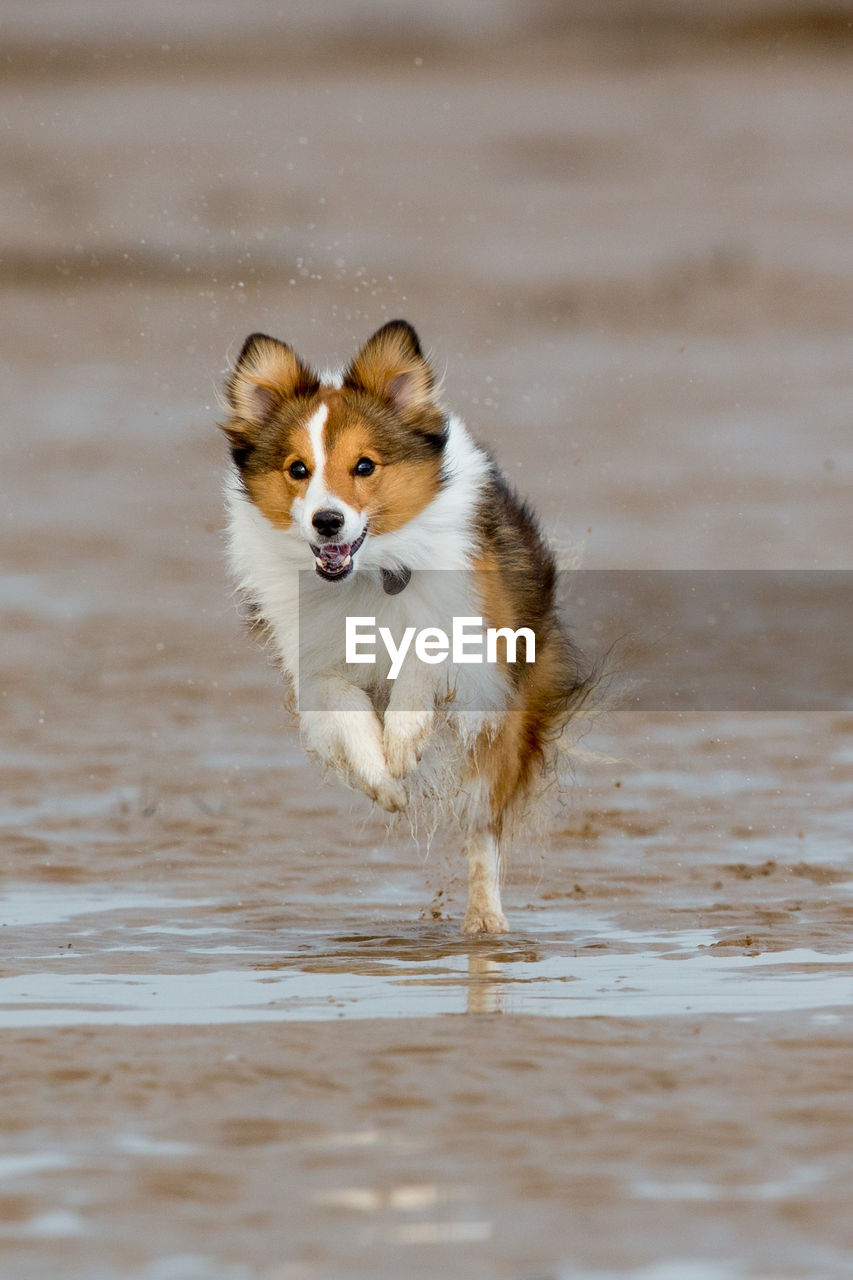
[480, 745]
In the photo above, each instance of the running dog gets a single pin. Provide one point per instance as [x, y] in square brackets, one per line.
[358, 507]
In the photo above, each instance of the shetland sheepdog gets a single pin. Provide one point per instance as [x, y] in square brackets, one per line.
[358, 496]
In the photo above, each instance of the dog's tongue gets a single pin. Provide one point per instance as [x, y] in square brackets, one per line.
[334, 556]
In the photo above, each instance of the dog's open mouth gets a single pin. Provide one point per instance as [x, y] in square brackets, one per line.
[333, 560]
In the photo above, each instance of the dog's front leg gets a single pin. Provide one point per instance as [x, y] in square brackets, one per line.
[409, 717]
[345, 732]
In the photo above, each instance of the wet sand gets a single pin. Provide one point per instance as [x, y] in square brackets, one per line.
[242, 1038]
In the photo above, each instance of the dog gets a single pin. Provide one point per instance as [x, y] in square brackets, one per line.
[354, 499]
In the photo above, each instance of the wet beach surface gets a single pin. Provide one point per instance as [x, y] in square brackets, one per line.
[242, 1037]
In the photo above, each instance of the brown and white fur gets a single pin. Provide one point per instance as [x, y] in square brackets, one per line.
[363, 478]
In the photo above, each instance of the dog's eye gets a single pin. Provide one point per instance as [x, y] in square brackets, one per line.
[364, 467]
[298, 470]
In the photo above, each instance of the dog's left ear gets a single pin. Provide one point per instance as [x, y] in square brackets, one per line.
[392, 367]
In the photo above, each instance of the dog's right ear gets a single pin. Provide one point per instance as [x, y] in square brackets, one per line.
[267, 372]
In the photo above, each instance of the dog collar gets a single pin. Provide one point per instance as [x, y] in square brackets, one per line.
[395, 580]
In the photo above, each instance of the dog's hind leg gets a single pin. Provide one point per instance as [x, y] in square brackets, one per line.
[484, 913]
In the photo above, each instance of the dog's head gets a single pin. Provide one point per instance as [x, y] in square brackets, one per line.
[340, 461]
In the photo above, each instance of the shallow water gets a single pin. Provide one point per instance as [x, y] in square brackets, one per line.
[641, 988]
[567, 965]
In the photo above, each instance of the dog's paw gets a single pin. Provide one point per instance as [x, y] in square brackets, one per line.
[387, 792]
[480, 922]
[406, 734]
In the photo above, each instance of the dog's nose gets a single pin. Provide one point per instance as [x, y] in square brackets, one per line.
[327, 522]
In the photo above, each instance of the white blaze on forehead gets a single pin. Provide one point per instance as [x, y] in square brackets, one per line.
[317, 496]
[315, 431]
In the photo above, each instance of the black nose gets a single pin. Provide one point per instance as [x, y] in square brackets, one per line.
[327, 522]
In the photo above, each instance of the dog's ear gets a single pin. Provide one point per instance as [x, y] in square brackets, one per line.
[392, 367]
[266, 373]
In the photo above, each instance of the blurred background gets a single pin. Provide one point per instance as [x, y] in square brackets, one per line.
[625, 230]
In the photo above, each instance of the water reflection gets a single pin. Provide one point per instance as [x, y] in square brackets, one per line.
[118, 966]
[485, 984]
[596, 984]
